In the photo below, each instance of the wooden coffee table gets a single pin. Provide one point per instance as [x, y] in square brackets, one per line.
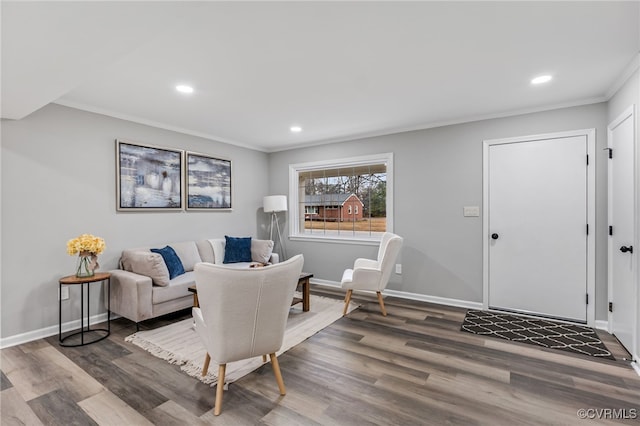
[306, 288]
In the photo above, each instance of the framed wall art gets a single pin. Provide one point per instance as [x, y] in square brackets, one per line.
[208, 181]
[148, 178]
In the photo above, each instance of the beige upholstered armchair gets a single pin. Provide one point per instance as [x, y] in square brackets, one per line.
[243, 313]
[373, 275]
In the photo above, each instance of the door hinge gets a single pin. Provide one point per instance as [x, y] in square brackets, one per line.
[587, 229]
[610, 152]
[610, 230]
[610, 306]
[587, 160]
[587, 298]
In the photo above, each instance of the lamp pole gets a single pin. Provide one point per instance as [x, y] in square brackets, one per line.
[274, 218]
[274, 204]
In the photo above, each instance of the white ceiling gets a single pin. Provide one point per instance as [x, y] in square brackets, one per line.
[340, 70]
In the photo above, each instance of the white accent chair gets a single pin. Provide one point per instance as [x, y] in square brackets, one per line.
[243, 313]
[373, 275]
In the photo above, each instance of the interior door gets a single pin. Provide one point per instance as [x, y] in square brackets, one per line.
[537, 221]
[622, 293]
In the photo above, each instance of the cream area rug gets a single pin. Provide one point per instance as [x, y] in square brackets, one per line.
[179, 344]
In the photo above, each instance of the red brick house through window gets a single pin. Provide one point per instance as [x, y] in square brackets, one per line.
[333, 207]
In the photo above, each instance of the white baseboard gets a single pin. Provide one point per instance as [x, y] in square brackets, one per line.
[411, 296]
[435, 299]
[599, 324]
[325, 283]
[30, 336]
[602, 325]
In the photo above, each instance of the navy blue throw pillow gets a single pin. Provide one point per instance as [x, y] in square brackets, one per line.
[237, 249]
[171, 259]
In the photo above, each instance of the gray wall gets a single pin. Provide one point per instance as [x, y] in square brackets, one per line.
[437, 172]
[58, 181]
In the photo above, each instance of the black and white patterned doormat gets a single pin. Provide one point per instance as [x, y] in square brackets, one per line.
[542, 332]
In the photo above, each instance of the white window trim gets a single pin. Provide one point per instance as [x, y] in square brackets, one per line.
[295, 169]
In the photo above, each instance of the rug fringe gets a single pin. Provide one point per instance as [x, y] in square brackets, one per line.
[195, 370]
[155, 350]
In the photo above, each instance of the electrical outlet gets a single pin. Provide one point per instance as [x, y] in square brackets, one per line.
[398, 268]
[64, 293]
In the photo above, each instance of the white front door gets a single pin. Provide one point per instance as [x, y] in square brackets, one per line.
[622, 251]
[536, 196]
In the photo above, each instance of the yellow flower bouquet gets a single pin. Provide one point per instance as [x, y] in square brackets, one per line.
[88, 248]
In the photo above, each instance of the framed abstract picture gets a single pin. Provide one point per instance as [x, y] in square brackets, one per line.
[208, 181]
[148, 178]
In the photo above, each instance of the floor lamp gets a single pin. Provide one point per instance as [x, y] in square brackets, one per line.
[274, 204]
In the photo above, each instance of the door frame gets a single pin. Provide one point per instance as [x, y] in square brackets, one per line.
[590, 135]
[629, 112]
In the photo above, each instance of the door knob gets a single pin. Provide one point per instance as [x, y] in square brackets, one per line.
[625, 249]
[496, 236]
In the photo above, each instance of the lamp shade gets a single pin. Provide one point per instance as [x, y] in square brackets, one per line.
[275, 203]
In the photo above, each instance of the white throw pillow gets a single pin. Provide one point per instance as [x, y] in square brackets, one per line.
[146, 263]
[218, 250]
[188, 253]
[261, 250]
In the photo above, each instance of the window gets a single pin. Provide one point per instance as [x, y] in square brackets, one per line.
[346, 199]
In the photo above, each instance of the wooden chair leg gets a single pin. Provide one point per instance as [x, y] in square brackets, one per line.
[381, 302]
[264, 358]
[205, 367]
[277, 373]
[347, 299]
[219, 389]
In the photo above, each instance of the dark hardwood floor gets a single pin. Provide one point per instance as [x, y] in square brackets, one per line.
[413, 367]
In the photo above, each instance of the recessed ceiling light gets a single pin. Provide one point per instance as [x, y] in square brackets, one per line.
[184, 89]
[296, 129]
[541, 79]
